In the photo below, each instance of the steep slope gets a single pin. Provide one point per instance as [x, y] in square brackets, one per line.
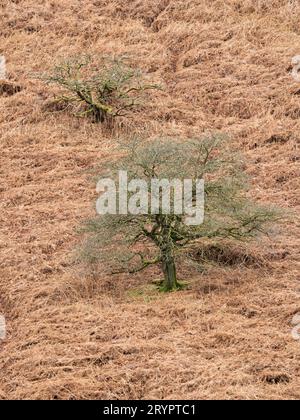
[224, 65]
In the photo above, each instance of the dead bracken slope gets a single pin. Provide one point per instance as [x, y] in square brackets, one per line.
[224, 65]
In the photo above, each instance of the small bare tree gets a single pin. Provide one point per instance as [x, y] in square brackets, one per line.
[136, 241]
[103, 88]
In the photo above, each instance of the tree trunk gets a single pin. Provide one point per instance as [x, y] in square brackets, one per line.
[169, 269]
[99, 115]
[168, 261]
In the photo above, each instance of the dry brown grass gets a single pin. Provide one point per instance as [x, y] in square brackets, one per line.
[224, 64]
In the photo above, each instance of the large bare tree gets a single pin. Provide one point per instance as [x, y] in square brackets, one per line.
[136, 241]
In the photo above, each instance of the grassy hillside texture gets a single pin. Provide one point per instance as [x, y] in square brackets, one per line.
[224, 65]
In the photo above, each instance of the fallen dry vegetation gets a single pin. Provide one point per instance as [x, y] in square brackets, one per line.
[224, 65]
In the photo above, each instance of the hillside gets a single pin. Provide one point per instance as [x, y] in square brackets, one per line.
[224, 65]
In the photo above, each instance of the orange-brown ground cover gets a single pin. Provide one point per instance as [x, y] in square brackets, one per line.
[224, 65]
